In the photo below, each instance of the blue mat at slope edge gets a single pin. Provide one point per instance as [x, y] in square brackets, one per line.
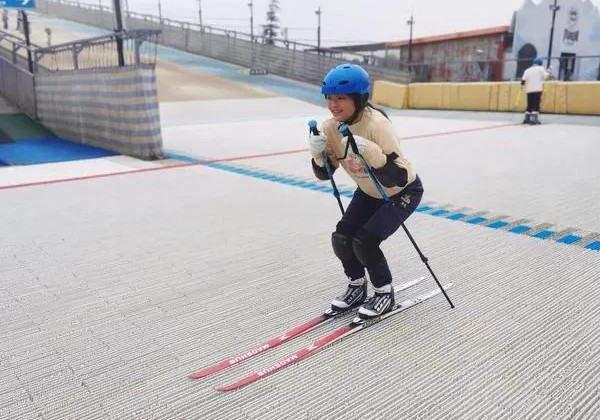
[36, 151]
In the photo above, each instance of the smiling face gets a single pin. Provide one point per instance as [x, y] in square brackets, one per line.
[341, 107]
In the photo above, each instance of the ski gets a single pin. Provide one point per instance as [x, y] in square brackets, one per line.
[293, 333]
[356, 325]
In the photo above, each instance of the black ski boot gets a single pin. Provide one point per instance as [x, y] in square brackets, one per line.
[382, 301]
[355, 295]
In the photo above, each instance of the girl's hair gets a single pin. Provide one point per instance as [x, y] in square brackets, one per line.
[370, 105]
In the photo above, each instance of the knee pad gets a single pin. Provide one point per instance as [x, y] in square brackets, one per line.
[366, 248]
[342, 246]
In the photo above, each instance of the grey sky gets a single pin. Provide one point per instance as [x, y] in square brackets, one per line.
[345, 21]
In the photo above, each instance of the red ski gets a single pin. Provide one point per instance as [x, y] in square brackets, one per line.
[356, 325]
[274, 342]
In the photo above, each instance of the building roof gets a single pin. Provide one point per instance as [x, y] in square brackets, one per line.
[496, 30]
[499, 30]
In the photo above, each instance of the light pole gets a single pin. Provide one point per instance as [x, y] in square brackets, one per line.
[411, 23]
[555, 8]
[251, 6]
[159, 11]
[200, 13]
[119, 30]
[318, 13]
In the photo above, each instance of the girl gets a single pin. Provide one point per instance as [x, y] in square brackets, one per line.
[367, 221]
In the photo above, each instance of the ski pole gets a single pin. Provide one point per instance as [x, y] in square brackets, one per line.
[345, 131]
[312, 124]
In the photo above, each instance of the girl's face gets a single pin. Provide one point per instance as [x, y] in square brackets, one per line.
[341, 107]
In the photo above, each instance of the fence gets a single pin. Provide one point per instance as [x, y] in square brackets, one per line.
[139, 47]
[281, 57]
[86, 92]
[579, 68]
[17, 85]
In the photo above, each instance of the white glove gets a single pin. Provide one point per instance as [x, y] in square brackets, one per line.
[361, 144]
[317, 145]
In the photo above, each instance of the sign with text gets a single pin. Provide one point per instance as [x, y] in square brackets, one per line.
[17, 4]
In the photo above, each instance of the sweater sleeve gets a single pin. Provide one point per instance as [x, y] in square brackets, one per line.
[390, 171]
[321, 171]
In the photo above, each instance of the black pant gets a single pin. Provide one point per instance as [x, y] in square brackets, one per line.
[374, 222]
[533, 101]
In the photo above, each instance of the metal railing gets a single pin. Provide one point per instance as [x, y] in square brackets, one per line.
[14, 49]
[291, 59]
[139, 47]
[578, 68]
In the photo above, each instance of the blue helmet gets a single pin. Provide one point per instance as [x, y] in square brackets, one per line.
[538, 61]
[347, 79]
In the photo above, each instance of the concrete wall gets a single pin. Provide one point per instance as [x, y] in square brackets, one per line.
[114, 108]
[558, 98]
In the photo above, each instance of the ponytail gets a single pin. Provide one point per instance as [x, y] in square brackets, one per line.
[370, 105]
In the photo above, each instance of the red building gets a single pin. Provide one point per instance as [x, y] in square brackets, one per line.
[462, 56]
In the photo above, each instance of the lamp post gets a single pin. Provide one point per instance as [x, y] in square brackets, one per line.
[411, 23]
[318, 13]
[251, 6]
[554, 8]
[159, 11]
[119, 30]
[200, 13]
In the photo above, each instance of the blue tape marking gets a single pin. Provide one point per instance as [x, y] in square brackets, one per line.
[520, 229]
[440, 212]
[497, 225]
[569, 239]
[594, 246]
[423, 209]
[476, 220]
[544, 234]
[456, 216]
[348, 194]
[181, 158]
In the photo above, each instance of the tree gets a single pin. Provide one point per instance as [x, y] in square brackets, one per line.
[271, 28]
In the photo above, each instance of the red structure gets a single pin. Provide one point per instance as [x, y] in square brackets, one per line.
[462, 56]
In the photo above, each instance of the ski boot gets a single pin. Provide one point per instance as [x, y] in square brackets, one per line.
[355, 295]
[383, 301]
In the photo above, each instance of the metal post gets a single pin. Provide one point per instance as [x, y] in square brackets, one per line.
[411, 23]
[200, 14]
[126, 23]
[27, 40]
[318, 13]
[555, 8]
[119, 32]
[251, 6]
[159, 11]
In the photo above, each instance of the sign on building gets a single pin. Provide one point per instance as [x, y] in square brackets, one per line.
[575, 39]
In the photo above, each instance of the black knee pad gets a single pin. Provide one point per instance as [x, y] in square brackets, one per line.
[342, 246]
[366, 248]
